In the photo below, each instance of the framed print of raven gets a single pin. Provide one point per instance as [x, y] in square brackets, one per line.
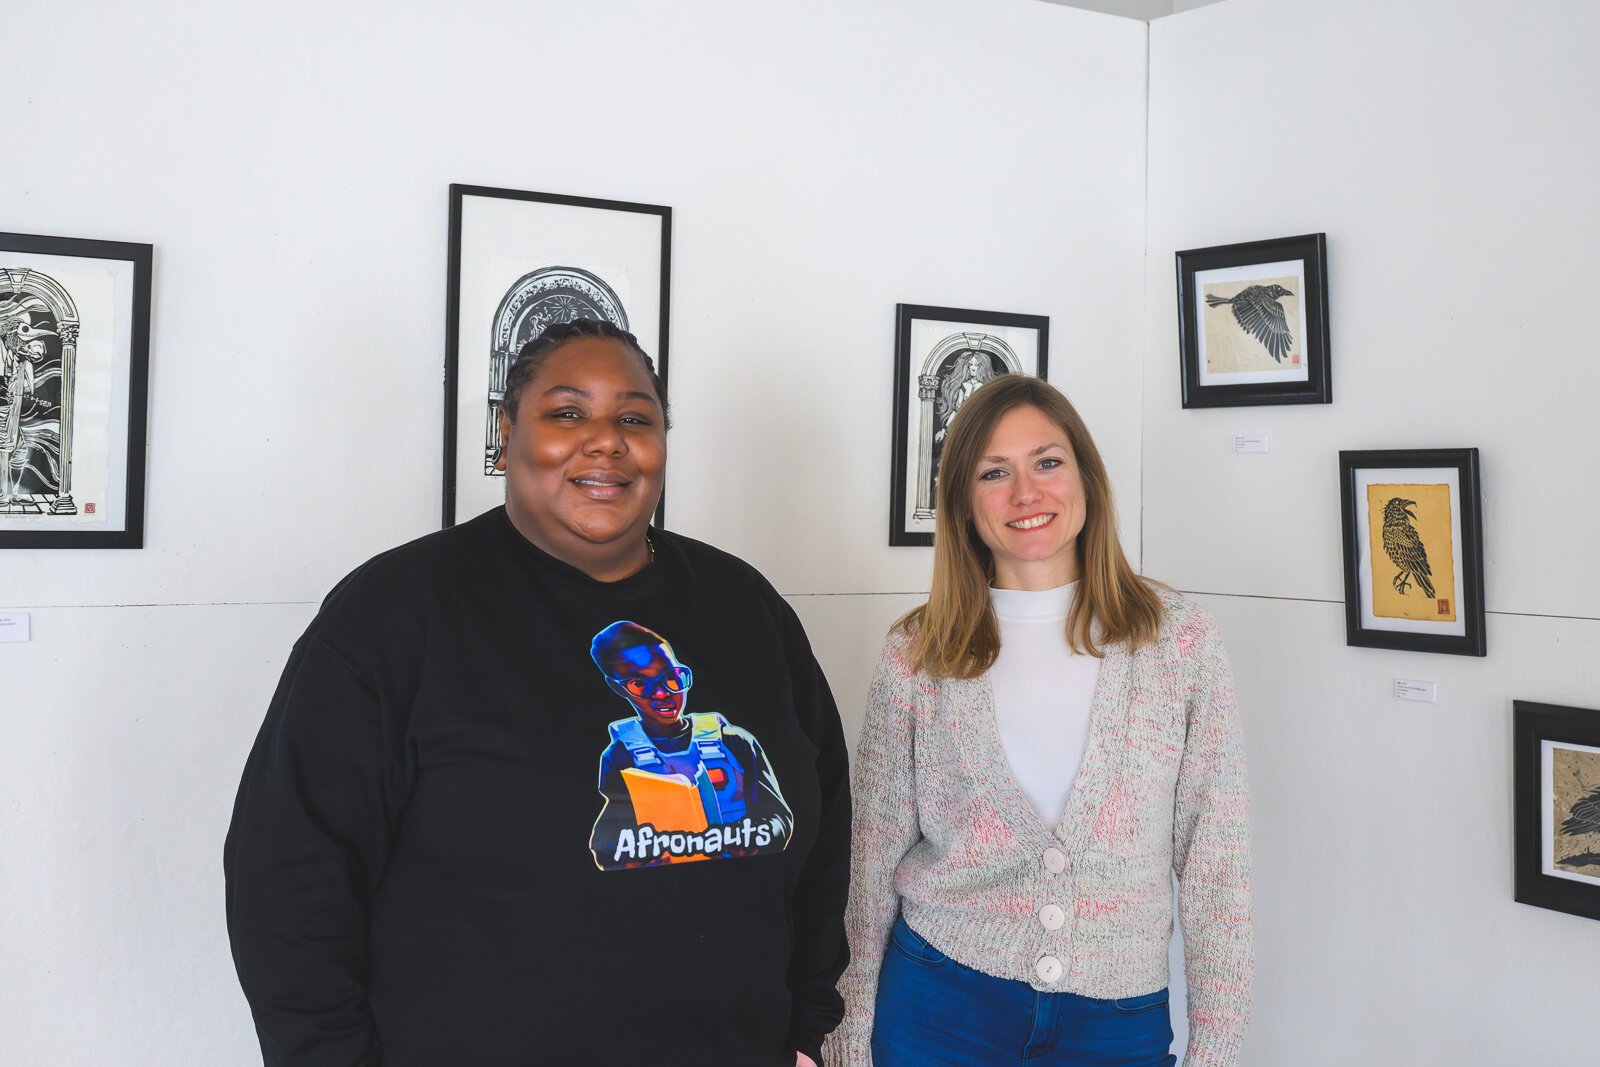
[1253, 323]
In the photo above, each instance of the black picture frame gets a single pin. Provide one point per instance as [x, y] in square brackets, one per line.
[1259, 343]
[1373, 618]
[930, 345]
[1550, 878]
[75, 374]
[570, 264]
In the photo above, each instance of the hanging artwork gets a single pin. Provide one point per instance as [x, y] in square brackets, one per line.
[1413, 550]
[942, 356]
[1557, 786]
[519, 262]
[1253, 323]
[74, 355]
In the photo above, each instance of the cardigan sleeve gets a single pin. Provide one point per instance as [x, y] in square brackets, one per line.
[1211, 853]
[884, 829]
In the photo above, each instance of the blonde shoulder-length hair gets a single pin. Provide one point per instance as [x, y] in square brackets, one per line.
[955, 634]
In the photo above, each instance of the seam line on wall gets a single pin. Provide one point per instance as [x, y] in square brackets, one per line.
[891, 592]
[1319, 600]
[172, 604]
[1144, 292]
[1262, 596]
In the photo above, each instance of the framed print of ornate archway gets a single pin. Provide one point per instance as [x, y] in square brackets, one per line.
[942, 356]
[519, 262]
[74, 372]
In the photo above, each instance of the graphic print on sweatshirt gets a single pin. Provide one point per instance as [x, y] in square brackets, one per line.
[678, 786]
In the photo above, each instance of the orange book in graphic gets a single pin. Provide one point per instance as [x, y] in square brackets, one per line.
[665, 801]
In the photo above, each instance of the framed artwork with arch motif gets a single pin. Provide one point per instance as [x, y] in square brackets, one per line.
[74, 376]
[520, 261]
[942, 355]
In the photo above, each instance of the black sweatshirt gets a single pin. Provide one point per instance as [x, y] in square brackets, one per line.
[502, 813]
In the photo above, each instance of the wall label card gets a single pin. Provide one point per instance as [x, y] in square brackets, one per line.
[1407, 689]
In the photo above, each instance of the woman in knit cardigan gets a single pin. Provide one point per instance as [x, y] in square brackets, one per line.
[1048, 739]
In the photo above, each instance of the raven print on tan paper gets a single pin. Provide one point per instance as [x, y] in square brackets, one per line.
[1575, 778]
[1247, 325]
[1412, 552]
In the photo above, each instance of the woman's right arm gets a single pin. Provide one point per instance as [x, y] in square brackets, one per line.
[309, 841]
[884, 829]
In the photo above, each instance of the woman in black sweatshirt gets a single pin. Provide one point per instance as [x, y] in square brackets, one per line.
[548, 787]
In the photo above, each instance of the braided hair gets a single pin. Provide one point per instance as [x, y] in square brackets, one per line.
[533, 354]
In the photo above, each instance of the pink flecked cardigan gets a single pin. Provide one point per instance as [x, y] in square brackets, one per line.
[943, 834]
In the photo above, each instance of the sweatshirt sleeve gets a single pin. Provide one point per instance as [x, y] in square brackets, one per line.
[884, 830]
[1211, 854]
[316, 812]
[820, 950]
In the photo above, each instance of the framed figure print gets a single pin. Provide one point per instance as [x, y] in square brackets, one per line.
[1557, 791]
[942, 356]
[1253, 323]
[74, 372]
[1413, 550]
[520, 261]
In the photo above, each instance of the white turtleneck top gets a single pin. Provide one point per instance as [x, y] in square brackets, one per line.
[1042, 693]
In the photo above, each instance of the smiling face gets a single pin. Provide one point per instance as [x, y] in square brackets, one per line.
[1028, 503]
[586, 457]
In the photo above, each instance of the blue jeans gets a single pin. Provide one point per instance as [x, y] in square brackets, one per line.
[933, 1012]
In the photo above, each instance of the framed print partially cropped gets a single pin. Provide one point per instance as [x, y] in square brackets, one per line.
[1413, 550]
[74, 371]
[942, 356]
[1557, 791]
[1253, 323]
[520, 261]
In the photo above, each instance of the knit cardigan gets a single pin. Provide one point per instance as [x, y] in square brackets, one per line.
[943, 834]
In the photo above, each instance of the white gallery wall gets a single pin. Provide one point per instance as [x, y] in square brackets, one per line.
[826, 159]
[1450, 152]
[290, 163]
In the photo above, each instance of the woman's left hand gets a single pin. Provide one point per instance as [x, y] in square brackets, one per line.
[802, 1060]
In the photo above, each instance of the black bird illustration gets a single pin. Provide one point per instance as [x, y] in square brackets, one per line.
[1404, 547]
[1585, 818]
[1259, 314]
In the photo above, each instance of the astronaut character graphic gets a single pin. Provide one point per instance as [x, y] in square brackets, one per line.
[677, 786]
